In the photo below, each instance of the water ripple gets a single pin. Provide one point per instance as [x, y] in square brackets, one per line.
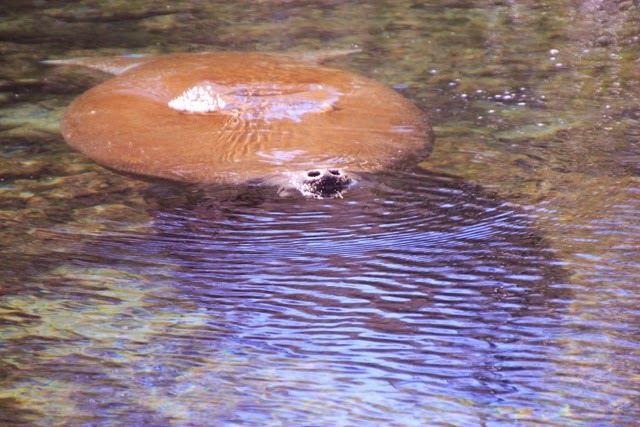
[429, 280]
[414, 288]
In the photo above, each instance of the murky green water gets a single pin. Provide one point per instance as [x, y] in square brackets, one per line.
[507, 297]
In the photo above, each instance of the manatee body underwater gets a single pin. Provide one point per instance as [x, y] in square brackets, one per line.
[238, 117]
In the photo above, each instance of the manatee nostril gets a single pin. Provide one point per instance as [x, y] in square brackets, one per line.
[324, 183]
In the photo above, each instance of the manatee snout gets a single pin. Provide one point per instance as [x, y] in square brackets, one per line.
[324, 183]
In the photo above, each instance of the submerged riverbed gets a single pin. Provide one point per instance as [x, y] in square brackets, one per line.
[495, 284]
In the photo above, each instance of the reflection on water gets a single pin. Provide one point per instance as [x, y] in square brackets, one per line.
[397, 305]
[416, 300]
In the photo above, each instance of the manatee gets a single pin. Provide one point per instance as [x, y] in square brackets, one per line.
[243, 117]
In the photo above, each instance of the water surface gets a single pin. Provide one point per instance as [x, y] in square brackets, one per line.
[495, 285]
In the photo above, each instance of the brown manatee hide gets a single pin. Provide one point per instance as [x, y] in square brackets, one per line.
[233, 117]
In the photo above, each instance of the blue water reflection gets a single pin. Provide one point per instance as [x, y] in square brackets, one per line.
[422, 294]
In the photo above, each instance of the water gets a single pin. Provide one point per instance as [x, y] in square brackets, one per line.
[496, 285]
